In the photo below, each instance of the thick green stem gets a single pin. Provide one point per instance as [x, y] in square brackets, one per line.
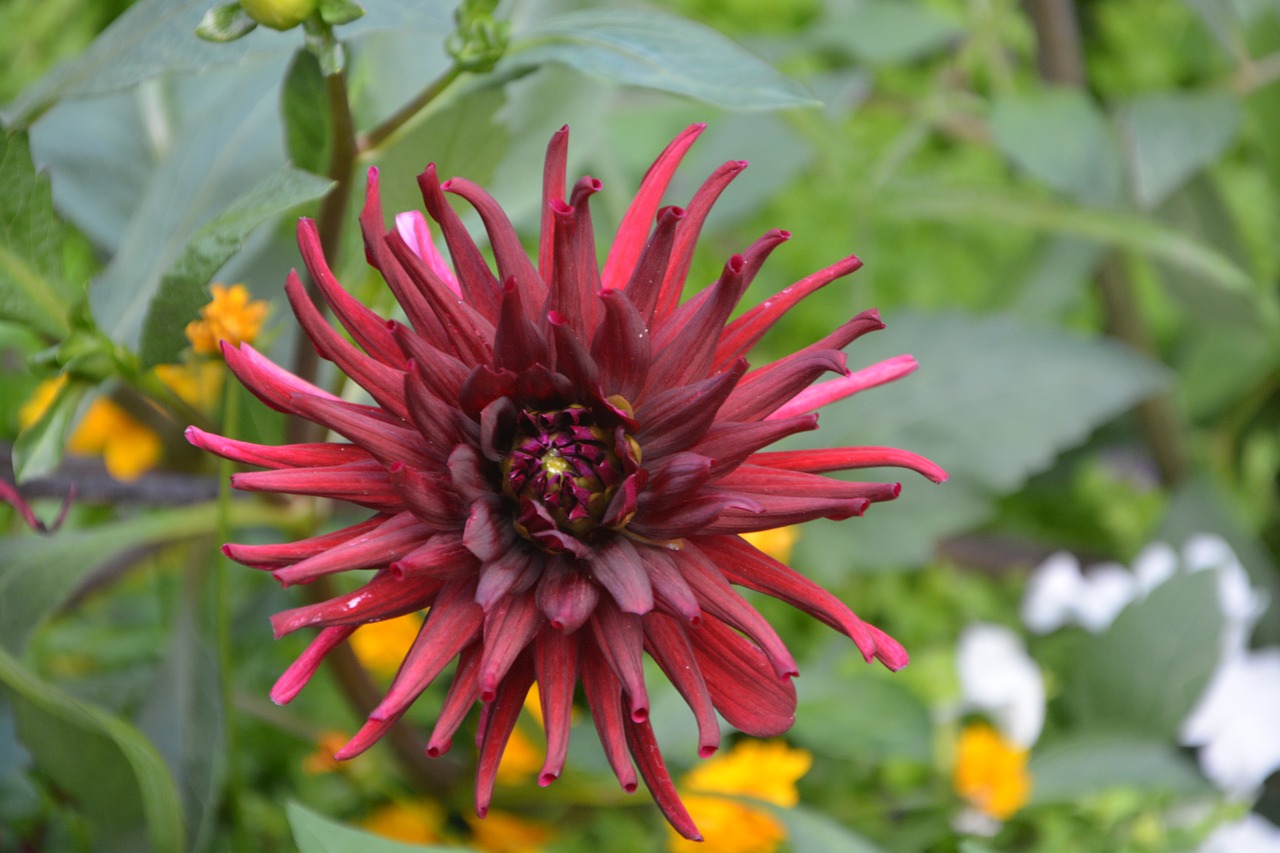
[375, 136]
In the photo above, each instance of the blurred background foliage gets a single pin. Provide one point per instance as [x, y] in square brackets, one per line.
[1068, 212]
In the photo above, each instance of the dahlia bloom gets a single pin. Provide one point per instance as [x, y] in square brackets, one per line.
[558, 461]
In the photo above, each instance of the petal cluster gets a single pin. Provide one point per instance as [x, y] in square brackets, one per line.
[558, 459]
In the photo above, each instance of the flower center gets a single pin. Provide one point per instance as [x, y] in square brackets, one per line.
[563, 472]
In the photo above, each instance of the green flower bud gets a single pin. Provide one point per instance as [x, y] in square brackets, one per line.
[279, 14]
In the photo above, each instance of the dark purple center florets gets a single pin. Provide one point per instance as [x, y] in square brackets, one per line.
[563, 471]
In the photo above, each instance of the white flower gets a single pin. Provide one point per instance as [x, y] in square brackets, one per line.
[999, 678]
[1251, 834]
[1057, 594]
[1235, 723]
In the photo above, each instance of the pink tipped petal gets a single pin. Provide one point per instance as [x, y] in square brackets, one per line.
[286, 553]
[282, 456]
[817, 396]
[290, 684]
[413, 229]
[376, 548]
[648, 758]
[849, 458]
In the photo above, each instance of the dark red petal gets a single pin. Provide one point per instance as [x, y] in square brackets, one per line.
[728, 443]
[367, 328]
[287, 553]
[620, 639]
[630, 239]
[376, 548]
[849, 458]
[282, 456]
[511, 572]
[674, 479]
[566, 595]
[572, 358]
[676, 418]
[759, 481]
[385, 596]
[621, 570]
[361, 483]
[464, 691]
[743, 333]
[513, 263]
[289, 684]
[621, 346]
[385, 384]
[553, 178]
[443, 556]
[429, 496]
[763, 390]
[508, 628]
[687, 236]
[468, 330]
[769, 512]
[517, 341]
[555, 660]
[644, 285]
[499, 721]
[470, 480]
[668, 644]
[453, 621]
[475, 278]
[388, 443]
[742, 683]
[604, 697]
[671, 591]
[644, 748]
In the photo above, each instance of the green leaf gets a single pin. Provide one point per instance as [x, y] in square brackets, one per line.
[182, 712]
[83, 749]
[225, 23]
[814, 832]
[1068, 770]
[314, 833]
[1170, 136]
[657, 51]
[154, 37]
[1061, 138]
[887, 31]
[32, 290]
[1114, 228]
[305, 108]
[1146, 671]
[861, 717]
[40, 447]
[182, 289]
[38, 573]
[338, 12]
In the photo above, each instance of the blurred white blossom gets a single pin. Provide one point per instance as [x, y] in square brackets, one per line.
[1250, 834]
[999, 679]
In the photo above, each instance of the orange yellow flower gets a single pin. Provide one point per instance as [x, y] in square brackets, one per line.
[322, 760]
[230, 316]
[766, 771]
[521, 760]
[381, 646]
[991, 772]
[776, 542]
[416, 822]
[197, 383]
[502, 832]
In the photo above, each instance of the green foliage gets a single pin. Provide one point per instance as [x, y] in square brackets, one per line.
[316, 834]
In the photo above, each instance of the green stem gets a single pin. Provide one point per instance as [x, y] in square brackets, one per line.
[374, 137]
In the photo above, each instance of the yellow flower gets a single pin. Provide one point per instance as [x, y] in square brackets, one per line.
[521, 759]
[198, 384]
[417, 822]
[991, 772]
[760, 771]
[128, 447]
[777, 543]
[501, 832]
[322, 760]
[381, 646]
[230, 316]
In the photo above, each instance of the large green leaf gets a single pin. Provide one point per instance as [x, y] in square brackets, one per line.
[1169, 136]
[887, 31]
[38, 573]
[862, 717]
[83, 749]
[182, 289]
[1068, 770]
[314, 833]
[815, 832]
[154, 37]
[1114, 228]
[1146, 671]
[656, 51]
[32, 289]
[1060, 137]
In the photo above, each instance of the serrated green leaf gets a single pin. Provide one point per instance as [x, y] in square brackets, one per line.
[304, 106]
[1060, 137]
[225, 23]
[182, 289]
[38, 573]
[1144, 673]
[1114, 228]
[656, 51]
[314, 833]
[80, 747]
[40, 447]
[1170, 136]
[1066, 771]
[32, 290]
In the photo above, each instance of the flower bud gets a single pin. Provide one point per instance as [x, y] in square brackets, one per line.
[279, 14]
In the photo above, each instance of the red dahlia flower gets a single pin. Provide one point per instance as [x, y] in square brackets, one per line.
[558, 463]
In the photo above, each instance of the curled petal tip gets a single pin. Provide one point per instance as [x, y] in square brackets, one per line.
[707, 750]
[545, 779]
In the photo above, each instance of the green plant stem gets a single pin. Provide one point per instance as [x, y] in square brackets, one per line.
[1061, 57]
[222, 625]
[373, 138]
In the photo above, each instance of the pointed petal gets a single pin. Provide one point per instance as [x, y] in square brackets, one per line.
[849, 458]
[508, 628]
[305, 665]
[277, 456]
[620, 639]
[499, 722]
[817, 396]
[555, 661]
[644, 748]
[376, 548]
[668, 644]
[619, 569]
[604, 697]
[742, 683]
